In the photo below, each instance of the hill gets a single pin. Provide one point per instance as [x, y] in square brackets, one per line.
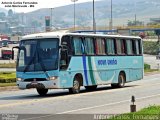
[123, 11]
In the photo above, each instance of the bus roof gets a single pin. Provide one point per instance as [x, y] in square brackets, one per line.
[60, 34]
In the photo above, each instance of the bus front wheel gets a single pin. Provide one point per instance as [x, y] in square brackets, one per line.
[42, 92]
[76, 87]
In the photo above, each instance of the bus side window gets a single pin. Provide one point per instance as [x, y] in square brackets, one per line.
[119, 46]
[137, 47]
[129, 47]
[100, 46]
[110, 46]
[140, 46]
[89, 46]
[77, 41]
[124, 48]
[66, 41]
[134, 47]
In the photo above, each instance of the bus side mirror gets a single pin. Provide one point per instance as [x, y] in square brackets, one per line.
[63, 47]
[13, 51]
[12, 54]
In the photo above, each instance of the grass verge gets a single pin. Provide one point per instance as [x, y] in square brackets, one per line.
[151, 70]
[149, 113]
[7, 84]
[7, 77]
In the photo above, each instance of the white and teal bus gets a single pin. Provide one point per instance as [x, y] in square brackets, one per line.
[70, 60]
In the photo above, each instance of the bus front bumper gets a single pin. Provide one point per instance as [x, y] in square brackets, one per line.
[49, 84]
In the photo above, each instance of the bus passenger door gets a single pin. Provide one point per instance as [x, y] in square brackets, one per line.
[64, 59]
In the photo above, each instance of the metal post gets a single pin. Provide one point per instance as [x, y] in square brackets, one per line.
[135, 20]
[74, 16]
[51, 18]
[94, 23]
[111, 17]
[135, 7]
[133, 106]
[74, 13]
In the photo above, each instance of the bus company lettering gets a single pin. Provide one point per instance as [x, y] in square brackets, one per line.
[107, 62]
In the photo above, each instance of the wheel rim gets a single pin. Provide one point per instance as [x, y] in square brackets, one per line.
[121, 80]
[76, 85]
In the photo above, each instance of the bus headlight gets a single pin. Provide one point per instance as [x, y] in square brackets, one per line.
[52, 78]
[19, 79]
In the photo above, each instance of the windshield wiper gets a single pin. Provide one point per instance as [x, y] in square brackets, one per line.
[30, 62]
[43, 66]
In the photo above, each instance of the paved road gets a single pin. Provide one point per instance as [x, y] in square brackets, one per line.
[103, 101]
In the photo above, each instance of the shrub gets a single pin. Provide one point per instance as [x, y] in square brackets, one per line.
[147, 66]
[7, 77]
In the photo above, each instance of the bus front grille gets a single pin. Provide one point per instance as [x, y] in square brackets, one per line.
[34, 79]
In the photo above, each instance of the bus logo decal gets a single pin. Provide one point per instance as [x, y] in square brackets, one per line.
[107, 62]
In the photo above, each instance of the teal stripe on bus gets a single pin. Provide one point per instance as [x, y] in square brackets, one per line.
[91, 71]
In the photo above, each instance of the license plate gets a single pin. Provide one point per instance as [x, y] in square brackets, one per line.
[34, 83]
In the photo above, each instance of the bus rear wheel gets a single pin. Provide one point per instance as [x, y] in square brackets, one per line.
[121, 81]
[42, 92]
[76, 86]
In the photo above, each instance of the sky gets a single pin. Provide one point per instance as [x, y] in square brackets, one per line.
[27, 7]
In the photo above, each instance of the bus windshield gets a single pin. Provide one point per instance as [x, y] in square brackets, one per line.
[38, 55]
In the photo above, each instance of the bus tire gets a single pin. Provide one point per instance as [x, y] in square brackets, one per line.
[42, 92]
[76, 86]
[90, 88]
[121, 81]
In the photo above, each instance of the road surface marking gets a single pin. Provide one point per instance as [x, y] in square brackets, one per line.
[86, 108]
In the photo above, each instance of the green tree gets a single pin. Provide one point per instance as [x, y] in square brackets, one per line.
[158, 34]
[10, 13]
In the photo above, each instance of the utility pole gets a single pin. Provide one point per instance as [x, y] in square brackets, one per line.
[51, 18]
[74, 13]
[94, 22]
[135, 16]
[135, 19]
[111, 23]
